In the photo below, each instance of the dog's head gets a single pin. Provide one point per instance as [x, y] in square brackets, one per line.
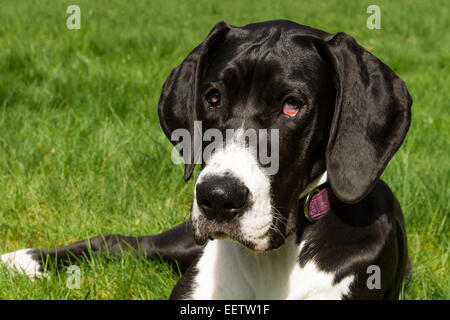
[326, 104]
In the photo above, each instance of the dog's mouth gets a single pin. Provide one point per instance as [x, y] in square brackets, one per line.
[219, 236]
[205, 230]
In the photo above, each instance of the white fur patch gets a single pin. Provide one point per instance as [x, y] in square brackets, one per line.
[22, 261]
[241, 162]
[228, 270]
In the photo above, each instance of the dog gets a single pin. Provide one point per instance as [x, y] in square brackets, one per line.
[317, 227]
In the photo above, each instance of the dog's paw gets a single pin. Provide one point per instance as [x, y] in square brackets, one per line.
[25, 261]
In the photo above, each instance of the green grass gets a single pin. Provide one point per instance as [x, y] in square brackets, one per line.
[82, 152]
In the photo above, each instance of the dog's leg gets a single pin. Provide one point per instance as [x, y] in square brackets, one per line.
[175, 244]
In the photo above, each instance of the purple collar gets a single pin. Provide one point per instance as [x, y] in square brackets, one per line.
[316, 201]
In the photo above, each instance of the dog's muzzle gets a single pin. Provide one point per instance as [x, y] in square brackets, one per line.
[232, 199]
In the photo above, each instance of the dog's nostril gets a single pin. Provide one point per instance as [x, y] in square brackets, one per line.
[229, 205]
[205, 203]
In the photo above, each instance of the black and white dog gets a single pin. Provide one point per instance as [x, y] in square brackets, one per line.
[312, 229]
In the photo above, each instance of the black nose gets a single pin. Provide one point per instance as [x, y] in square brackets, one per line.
[221, 198]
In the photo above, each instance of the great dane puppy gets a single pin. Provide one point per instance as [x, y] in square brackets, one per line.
[319, 226]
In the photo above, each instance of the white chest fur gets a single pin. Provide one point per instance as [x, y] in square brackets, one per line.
[227, 270]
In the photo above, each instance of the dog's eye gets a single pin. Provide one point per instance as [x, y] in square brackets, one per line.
[213, 98]
[291, 106]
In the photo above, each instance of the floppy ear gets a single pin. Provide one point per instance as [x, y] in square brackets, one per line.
[371, 118]
[179, 103]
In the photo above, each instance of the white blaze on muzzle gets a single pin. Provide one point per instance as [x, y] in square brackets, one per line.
[241, 162]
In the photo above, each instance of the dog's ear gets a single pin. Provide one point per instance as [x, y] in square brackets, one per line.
[371, 118]
[179, 103]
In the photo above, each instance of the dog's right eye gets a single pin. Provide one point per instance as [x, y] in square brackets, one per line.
[291, 106]
[213, 98]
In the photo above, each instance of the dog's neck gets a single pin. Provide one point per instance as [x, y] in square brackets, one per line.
[299, 219]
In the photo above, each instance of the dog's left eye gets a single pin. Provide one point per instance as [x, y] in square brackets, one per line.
[291, 106]
[213, 98]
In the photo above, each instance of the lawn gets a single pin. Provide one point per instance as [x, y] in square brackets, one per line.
[82, 152]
